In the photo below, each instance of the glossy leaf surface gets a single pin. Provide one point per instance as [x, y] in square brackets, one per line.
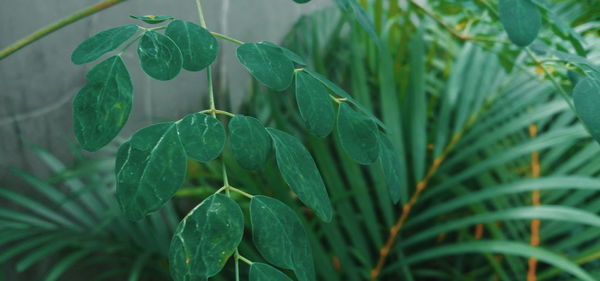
[159, 56]
[280, 237]
[150, 167]
[392, 166]
[202, 136]
[521, 20]
[102, 106]
[205, 239]
[102, 43]
[264, 272]
[300, 172]
[198, 47]
[289, 53]
[250, 142]
[586, 96]
[267, 63]
[314, 105]
[358, 135]
[152, 19]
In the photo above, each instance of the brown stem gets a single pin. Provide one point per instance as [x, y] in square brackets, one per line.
[56, 26]
[535, 201]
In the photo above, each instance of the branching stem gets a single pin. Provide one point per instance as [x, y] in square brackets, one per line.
[225, 37]
[56, 26]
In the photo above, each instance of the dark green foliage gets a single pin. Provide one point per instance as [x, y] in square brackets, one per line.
[249, 141]
[300, 172]
[198, 47]
[159, 56]
[150, 168]
[314, 105]
[265, 272]
[280, 237]
[521, 19]
[267, 63]
[102, 106]
[205, 239]
[358, 135]
[102, 43]
[202, 136]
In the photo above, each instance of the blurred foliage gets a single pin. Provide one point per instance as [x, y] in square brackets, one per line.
[460, 103]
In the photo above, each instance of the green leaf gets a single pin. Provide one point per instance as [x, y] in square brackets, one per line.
[501, 247]
[250, 142]
[202, 136]
[102, 43]
[343, 94]
[152, 19]
[289, 53]
[352, 8]
[358, 135]
[150, 167]
[205, 239]
[102, 106]
[198, 47]
[314, 105]
[159, 56]
[586, 96]
[300, 172]
[267, 63]
[280, 237]
[264, 272]
[521, 20]
[301, 1]
[394, 170]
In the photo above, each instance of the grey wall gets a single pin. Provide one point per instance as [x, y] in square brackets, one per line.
[38, 82]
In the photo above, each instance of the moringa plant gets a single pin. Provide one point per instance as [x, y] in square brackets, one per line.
[151, 166]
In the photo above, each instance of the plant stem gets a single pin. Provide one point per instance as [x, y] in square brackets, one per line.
[200, 13]
[562, 92]
[216, 111]
[230, 39]
[240, 192]
[129, 44]
[56, 26]
[244, 259]
[535, 201]
[421, 186]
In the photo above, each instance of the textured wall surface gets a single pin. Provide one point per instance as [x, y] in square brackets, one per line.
[38, 82]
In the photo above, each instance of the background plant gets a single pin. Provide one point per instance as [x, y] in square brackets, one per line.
[473, 123]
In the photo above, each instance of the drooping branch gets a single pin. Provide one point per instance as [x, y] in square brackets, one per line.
[56, 26]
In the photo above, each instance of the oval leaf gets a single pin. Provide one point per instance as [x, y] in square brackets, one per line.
[521, 20]
[280, 237]
[102, 106]
[358, 135]
[314, 105]
[264, 272]
[250, 142]
[586, 96]
[159, 56]
[152, 19]
[267, 63]
[202, 136]
[102, 43]
[198, 47]
[394, 169]
[288, 53]
[300, 172]
[205, 239]
[150, 167]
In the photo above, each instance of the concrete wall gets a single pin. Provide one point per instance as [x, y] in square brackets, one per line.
[38, 82]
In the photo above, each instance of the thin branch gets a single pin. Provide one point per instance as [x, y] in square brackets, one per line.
[56, 26]
[407, 207]
[223, 36]
[535, 201]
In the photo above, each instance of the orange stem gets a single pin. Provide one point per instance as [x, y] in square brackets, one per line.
[535, 201]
